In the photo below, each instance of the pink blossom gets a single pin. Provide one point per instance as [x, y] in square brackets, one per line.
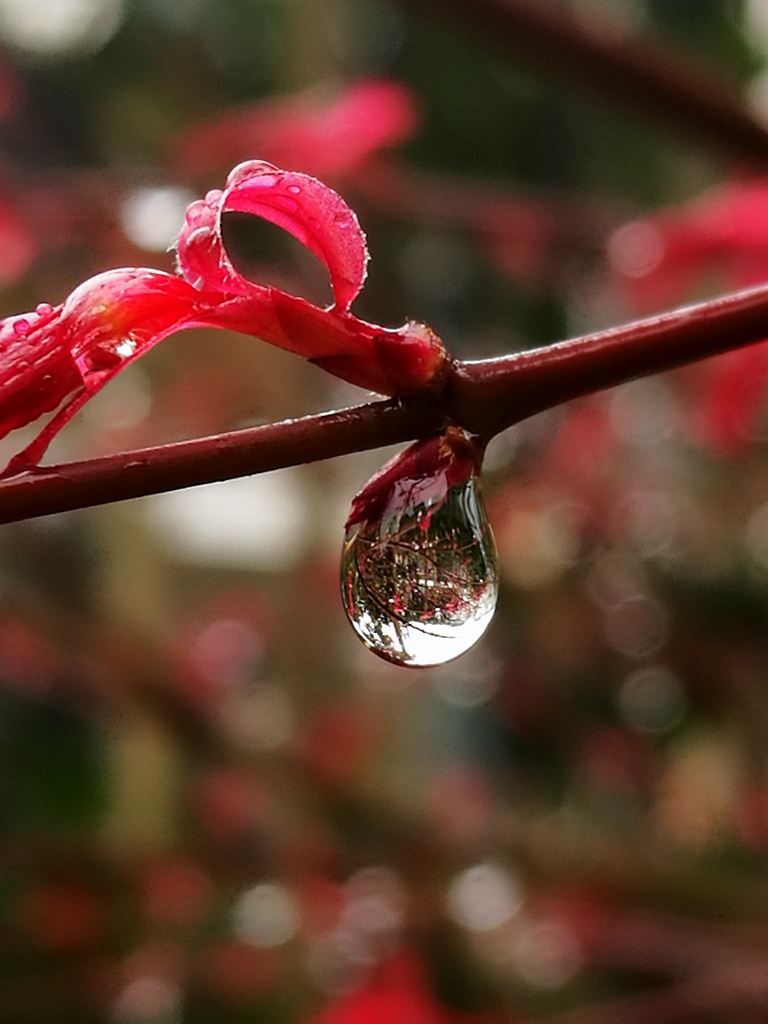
[55, 358]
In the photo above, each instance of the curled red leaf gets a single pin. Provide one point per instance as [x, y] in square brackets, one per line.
[56, 358]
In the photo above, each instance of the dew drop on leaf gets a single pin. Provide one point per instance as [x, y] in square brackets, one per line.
[104, 357]
[419, 582]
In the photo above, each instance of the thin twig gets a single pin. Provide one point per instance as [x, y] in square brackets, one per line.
[485, 397]
[692, 101]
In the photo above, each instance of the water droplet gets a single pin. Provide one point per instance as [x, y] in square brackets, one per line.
[296, 189]
[104, 356]
[196, 212]
[419, 581]
[44, 308]
[20, 326]
[126, 347]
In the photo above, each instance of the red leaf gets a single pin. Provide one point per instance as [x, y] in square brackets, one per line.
[313, 213]
[55, 359]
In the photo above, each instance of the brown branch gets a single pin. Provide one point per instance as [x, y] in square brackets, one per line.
[484, 397]
[645, 76]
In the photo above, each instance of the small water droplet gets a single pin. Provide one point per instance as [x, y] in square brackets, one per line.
[196, 212]
[20, 326]
[126, 347]
[44, 309]
[104, 356]
[296, 189]
[213, 196]
[419, 583]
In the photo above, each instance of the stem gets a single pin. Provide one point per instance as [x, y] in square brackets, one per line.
[690, 100]
[487, 396]
[133, 474]
[484, 397]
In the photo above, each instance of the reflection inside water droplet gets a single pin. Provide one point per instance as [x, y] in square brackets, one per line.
[419, 585]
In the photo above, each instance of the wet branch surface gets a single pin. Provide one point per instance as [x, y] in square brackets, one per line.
[484, 397]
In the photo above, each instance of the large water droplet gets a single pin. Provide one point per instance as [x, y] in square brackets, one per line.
[419, 584]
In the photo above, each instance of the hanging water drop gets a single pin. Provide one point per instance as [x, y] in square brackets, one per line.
[418, 569]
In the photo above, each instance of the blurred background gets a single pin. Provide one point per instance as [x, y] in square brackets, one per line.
[215, 805]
